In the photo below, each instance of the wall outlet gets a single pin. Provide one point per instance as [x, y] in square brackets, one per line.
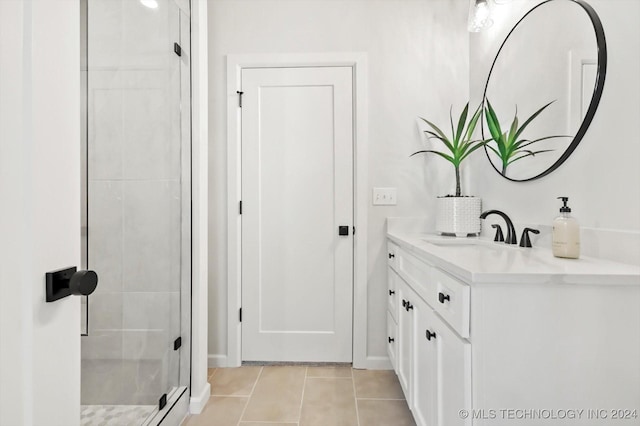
[384, 196]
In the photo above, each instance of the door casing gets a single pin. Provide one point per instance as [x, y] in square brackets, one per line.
[358, 63]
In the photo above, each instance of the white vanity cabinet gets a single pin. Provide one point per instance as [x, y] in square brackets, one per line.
[528, 341]
[432, 361]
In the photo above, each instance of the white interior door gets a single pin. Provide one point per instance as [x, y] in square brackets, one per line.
[40, 210]
[297, 190]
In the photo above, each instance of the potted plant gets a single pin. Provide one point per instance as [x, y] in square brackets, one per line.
[457, 214]
[510, 147]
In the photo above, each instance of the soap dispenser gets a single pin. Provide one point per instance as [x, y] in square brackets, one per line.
[566, 233]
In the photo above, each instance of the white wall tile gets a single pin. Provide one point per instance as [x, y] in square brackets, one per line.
[105, 234]
[151, 236]
[105, 311]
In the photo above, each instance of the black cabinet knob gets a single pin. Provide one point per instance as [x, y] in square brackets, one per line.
[409, 306]
[391, 292]
[391, 340]
[391, 255]
[442, 297]
[430, 335]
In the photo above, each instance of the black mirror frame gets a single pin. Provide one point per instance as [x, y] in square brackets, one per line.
[595, 99]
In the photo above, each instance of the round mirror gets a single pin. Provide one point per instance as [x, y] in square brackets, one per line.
[543, 88]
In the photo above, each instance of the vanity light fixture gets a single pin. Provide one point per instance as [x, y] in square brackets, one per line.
[151, 4]
[479, 16]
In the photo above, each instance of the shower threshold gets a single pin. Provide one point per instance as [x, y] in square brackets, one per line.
[129, 415]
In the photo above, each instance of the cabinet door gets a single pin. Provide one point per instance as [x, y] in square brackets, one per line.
[392, 341]
[425, 375]
[453, 362]
[392, 292]
[405, 337]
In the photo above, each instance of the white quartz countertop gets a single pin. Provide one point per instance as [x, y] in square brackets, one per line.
[483, 261]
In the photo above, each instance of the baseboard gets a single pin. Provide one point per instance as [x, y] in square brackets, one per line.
[217, 361]
[370, 362]
[378, 363]
[197, 402]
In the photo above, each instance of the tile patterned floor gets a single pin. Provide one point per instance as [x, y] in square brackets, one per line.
[115, 415]
[303, 396]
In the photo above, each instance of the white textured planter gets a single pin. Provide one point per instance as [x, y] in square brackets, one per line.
[458, 215]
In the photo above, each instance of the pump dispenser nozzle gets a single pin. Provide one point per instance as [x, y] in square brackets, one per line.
[565, 208]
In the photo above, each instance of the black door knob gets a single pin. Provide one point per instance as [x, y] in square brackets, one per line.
[442, 297]
[430, 335]
[83, 283]
[343, 230]
[68, 281]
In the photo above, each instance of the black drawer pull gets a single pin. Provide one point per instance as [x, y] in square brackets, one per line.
[404, 303]
[391, 340]
[442, 297]
[391, 255]
[391, 292]
[409, 306]
[430, 335]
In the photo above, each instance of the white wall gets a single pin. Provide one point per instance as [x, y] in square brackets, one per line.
[418, 65]
[40, 219]
[602, 175]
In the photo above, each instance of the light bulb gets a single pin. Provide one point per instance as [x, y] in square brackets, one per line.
[151, 4]
[479, 16]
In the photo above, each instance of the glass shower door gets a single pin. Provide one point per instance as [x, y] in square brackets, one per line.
[137, 204]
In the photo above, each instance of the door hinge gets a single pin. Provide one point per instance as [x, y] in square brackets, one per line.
[240, 314]
[239, 97]
[177, 343]
[162, 402]
[241, 207]
[177, 49]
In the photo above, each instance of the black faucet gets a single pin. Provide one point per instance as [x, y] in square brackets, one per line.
[511, 231]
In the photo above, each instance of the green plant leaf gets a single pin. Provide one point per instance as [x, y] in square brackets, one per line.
[445, 156]
[441, 139]
[461, 122]
[473, 122]
[494, 150]
[521, 143]
[493, 123]
[434, 127]
[530, 154]
[530, 119]
[479, 144]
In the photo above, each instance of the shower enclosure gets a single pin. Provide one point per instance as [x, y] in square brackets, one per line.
[136, 208]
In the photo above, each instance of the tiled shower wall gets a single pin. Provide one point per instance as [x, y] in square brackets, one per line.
[134, 202]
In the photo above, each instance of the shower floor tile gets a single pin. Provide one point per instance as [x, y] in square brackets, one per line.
[115, 415]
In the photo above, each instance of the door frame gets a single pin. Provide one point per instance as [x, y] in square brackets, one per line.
[235, 65]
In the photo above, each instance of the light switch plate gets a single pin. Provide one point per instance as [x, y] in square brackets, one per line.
[384, 196]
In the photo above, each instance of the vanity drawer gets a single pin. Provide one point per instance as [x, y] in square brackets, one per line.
[452, 301]
[392, 340]
[418, 275]
[392, 292]
[393, 253]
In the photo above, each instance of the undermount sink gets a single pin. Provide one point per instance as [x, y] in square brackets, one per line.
[464, 242]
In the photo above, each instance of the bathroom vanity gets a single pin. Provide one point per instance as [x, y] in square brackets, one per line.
[485, 333]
